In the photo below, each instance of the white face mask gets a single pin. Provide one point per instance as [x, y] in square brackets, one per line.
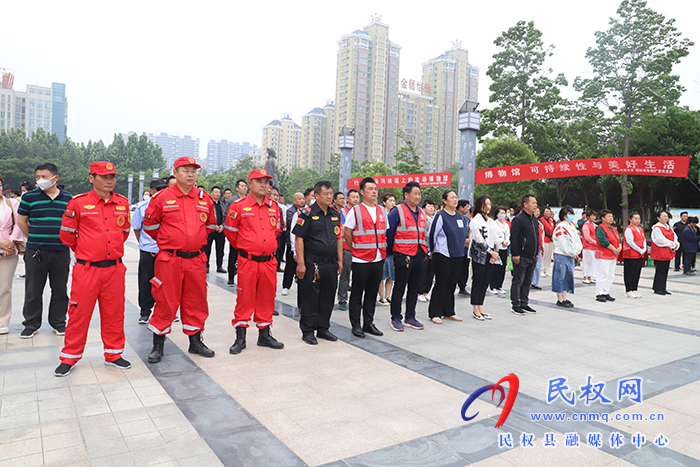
[146, 197]
[45, 183]
[501, 215]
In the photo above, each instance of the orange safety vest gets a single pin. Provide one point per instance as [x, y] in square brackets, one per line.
[410, 235]
[663, 253]
[627, 251]
[369, 237]
[611, 234]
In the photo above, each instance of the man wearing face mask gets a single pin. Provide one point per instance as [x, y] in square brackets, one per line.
[39, 217]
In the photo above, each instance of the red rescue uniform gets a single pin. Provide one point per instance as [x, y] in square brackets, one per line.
[180, 224]
[96, 230]
[252, 229]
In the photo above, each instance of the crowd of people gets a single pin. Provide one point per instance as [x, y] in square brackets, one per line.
[354, 249]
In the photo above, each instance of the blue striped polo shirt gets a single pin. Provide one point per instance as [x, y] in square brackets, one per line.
[45, 215]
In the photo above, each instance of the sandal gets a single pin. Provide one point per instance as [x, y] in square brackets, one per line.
[436, 320]
[453, 318]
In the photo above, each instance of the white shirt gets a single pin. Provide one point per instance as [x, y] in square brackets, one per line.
[629, 238]
[351, 223]
[658, 237]
[502, 234]
[489, 225]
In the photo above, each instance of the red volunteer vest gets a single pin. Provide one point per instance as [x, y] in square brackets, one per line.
[368, 237]
[590, 228]
[408, 235]
[662, 253]
[346, 210]
[612, 236]
[627, 251]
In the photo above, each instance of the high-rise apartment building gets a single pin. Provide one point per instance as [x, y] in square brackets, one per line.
[419, 120]
[38, 107]
[222, 155]
[175, 146]
[284, 136]
[451, 80]
[367, 85]
[317, 128]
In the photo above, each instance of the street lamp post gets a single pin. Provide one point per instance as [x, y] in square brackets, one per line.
[131, 187]
[142, 178]
[346, 143]
[469, 124]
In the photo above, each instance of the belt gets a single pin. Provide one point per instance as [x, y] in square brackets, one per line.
[100, 264]
[319, 259]
[185, 254]
[257, 259]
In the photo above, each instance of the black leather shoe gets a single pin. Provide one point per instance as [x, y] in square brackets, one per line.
[536, 287]
[265, 339]
[329, 336]
[221, 270]
[157, 351]
[609, 298]
[666, 292]
[357, 331]
[197, 346]
[527, 309]
[372, 329]
[309, 339]
[518, 311]
[239, 343]
[601, 298]
[275, 313]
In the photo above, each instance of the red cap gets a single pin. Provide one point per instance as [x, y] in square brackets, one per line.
[180, 161]
[102, 168]
[258, 173]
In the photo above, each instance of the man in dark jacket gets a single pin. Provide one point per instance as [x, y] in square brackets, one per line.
[524, 240]
[678, 228]
[689, 243]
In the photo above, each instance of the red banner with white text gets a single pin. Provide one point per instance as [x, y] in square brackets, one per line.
[639, 165]
[392, 181]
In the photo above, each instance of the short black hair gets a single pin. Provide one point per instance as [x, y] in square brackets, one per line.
[350, 191]
[388, 195]
[632, 214]
[446, 193]
[307, 192]
[338, 193]
[172, 177]
[462, 202]
[684, 212]
[215, 188]
[605, 212]
[365, 181]
[275, 188]
[227, 189]
[238, 182]
[28, 185]
[692, 220]
[407, 188]
[427, 202]
[201, 187]
[319, 186]
[545, 208]
[565, 211]
[526, 199]
[47, 166]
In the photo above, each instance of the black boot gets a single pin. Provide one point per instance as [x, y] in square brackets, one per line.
[239, 343]
[265, 339]
[197, 346]
[157, 352]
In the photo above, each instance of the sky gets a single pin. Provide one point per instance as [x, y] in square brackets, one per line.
[216, 70]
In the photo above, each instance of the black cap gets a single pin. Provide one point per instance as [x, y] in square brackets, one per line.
[158, 183]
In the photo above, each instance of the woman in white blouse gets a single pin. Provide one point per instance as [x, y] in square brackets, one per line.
[633, 248]
[567, 246]
[664, 244]
[483, 253]
[502, 243]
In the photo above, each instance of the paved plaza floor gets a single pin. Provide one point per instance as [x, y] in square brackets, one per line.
[384, 401]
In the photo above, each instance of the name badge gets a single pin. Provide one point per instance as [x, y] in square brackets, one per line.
[460, 223]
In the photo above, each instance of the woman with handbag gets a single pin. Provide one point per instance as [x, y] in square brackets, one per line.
[10, 238]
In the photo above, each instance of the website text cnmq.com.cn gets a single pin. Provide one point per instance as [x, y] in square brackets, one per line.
[628, 389]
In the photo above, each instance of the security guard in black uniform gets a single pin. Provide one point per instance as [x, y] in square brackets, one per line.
[319, 248]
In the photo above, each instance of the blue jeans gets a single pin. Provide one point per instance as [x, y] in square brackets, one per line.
[538, 269]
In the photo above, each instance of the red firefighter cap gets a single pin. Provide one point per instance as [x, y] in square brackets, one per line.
[258, 173]
[102, 168]
[180, 161]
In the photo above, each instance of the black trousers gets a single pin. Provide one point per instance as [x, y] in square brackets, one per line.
[290, 269]
[632, 270]
[407, 273]
[679, 253]
[522, 278]
[363, 295]
[464, 273]
[660, 275]
[220, 239]
[499, 271]
[426, 282]
[41, 264]
[481, 281]
[316, 299]
[232, 263]
[282, 244]
[447, 270]
[688, 260]
[147, 264]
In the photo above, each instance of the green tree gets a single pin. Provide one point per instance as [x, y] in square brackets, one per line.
[407, 160]
[504, 151]
[523, 92]
[632, 65]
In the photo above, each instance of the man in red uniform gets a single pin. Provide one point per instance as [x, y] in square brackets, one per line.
[180, 219]
[95, 226]
[252, 227]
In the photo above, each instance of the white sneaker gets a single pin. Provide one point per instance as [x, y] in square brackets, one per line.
[427, 297]
[637, 294]
[592, 281]
[630, 294]
[4, 330]
[500, 292]
[586, 281]
[492, 292]
[421, 298]
[285, 291]
[544, 274]
[384, 302]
